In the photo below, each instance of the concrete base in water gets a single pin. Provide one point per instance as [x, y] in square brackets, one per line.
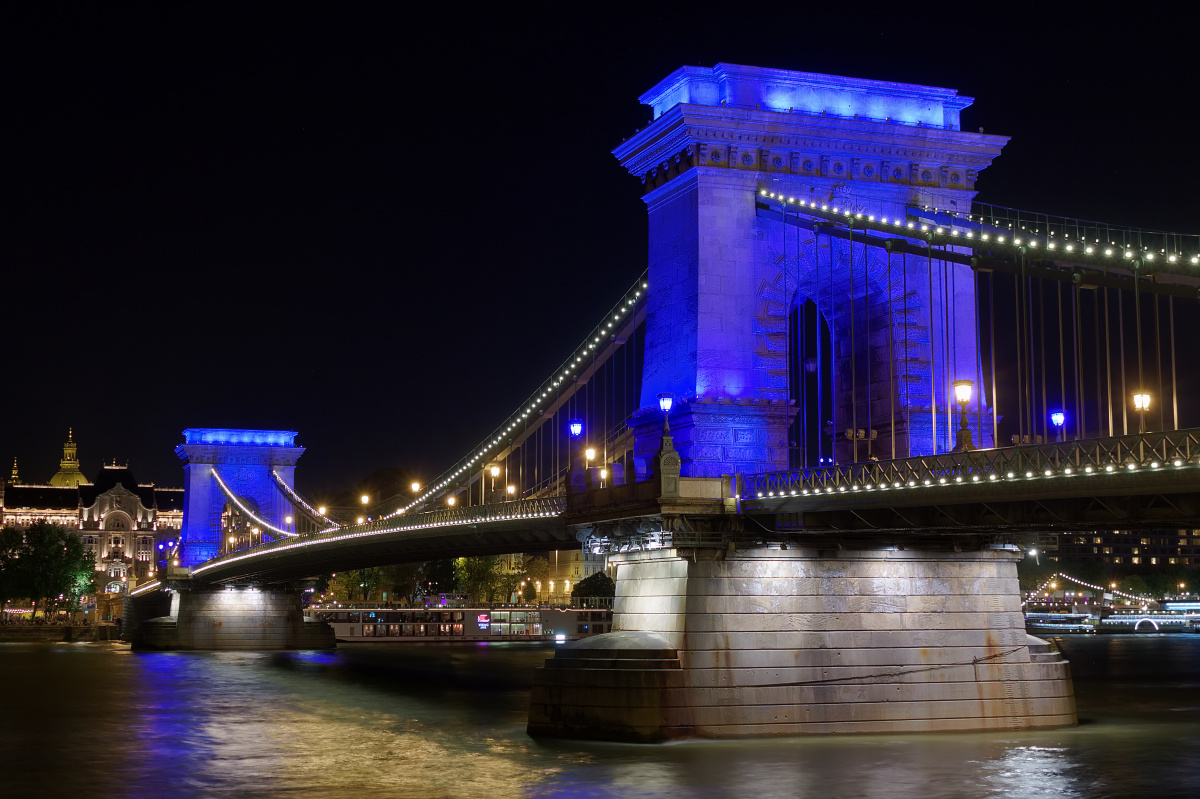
[224, 618]
[768, 642]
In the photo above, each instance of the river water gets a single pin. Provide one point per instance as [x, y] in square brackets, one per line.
[428, 721]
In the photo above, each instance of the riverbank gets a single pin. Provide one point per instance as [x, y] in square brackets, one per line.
[57, 633]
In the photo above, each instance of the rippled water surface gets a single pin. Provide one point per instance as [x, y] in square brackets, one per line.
[427, 721]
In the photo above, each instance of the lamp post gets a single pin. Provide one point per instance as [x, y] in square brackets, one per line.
[962, 395]
[665, 401]
[495, 472]
[512, 493]
[1058, 419]
[1141, 403]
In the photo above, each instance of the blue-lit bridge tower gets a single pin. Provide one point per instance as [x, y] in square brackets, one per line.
[244, 461]
[728, 281]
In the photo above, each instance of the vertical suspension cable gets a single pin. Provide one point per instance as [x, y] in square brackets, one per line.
[907, 369]
[1042, 350]
[1137, 305]
[1027, 307]
[932, 370]
[891, 357]
[978, 359]
[867, 313]
[1077, 334]
[1174, 390]
[1017, 280]
[1108, 364]
[1062, 359]
[1096, 348]
[853, 360]
[992, 356]
[1121, 329]
[1162, 425]
[947, 363]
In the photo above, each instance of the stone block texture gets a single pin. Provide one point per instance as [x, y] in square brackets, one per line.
[238, 618]
[767, 642]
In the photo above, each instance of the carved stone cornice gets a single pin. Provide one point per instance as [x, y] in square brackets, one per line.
[239, 454]
[818, 147]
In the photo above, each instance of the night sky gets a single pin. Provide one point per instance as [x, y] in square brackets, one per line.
[382, 230]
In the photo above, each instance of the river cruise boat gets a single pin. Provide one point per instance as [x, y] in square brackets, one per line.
[449, 624]
[1058, 623]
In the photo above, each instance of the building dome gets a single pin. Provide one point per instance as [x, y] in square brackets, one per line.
[68, 475]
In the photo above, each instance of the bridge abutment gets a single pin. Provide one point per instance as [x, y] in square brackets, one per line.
[221, 618]
[769, 642]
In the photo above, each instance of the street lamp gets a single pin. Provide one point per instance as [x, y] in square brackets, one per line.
[365, 499]
[1141, 403]
[1058, 419]
[576, 428]
[512, 492]
[589, 455]
[665, 401]
[962, 395]
[415, 486]
[450, 501]
[321, 510]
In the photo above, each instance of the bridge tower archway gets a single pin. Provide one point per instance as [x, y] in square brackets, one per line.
[244, 459]
[722, 135]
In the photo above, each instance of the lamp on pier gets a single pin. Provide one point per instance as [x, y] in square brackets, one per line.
[1058, 419]
[665, 401]
[1141, 403]
[512, 492]
[450, 501]
[962, 395]
[576, 428]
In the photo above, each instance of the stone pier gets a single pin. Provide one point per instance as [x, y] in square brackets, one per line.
[772, 642]
[220, 617]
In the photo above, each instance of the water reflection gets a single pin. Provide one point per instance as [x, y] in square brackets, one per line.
[448, 721]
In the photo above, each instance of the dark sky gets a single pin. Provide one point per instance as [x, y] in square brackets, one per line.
[383, 229]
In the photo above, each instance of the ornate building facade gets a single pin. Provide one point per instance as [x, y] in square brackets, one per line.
[122, 522]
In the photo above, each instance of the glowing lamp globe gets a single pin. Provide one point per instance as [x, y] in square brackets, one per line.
[495, 471]
[962, 391]
[1058, 418]
[416, 487]
[576, 428]
[665, 401]
[1141, 401]
[451, 501]
[589, 453]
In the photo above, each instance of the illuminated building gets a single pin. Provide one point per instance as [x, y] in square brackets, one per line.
[119, 520]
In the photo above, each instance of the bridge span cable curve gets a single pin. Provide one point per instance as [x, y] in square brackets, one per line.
[302, 506]
[548, 393]
[236, 500]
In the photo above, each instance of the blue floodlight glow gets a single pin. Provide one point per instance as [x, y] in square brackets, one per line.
[225, 435]
[576, 428]
[1058, 417]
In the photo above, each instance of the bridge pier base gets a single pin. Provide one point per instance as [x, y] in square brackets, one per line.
[220, 617]
[768, 642]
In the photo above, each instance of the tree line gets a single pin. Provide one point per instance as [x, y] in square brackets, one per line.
[482, 578]
[46, 564]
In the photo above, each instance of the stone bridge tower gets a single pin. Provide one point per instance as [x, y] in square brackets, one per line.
[724, 279]
[244, 459]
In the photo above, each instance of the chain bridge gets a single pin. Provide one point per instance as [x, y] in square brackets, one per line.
[813, 437]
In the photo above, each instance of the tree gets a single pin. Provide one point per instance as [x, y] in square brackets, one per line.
[44, 562]
[438, 577]
[403, 580]
[12, 583]
[537, 568]
[479, 577]
[363, 582]
[529, 592]
[597, 584]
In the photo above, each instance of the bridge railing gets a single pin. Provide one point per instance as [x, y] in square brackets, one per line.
[540, 507]
[1131, 452]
